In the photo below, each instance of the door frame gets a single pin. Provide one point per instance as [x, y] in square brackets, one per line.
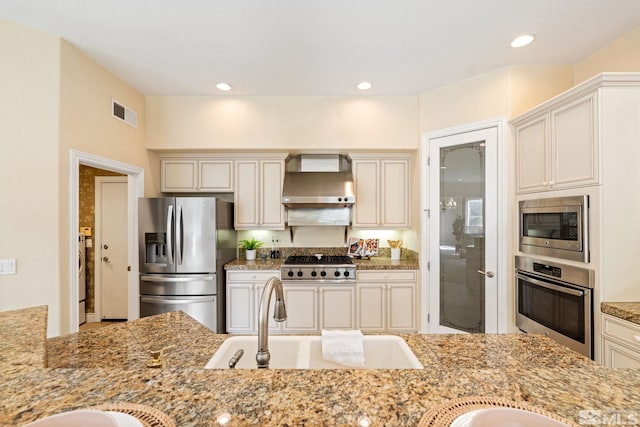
[502, 272]
[97, 291]
[135, 189]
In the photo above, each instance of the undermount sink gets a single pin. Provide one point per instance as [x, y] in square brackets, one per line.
[504, 417]
[305, 352]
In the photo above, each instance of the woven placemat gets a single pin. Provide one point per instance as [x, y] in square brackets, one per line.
[148, 416]
[444, 414]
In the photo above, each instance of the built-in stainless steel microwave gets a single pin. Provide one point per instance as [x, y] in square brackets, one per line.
[556, 227]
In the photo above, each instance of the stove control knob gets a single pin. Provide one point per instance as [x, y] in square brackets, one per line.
[337, 273]
[346, 274]
[300, 273]
[290, 273]
[314, 273]
[323, 273]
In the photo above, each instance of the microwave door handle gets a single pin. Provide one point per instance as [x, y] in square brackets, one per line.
[563, 289]
[170, 234]
[179, 235]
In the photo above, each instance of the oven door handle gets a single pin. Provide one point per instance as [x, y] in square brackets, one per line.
[563, 289]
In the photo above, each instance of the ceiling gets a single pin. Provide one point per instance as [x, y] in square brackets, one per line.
[321, 47]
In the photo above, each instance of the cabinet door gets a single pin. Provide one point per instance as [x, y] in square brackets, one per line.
[179, 175]
[302, 309]
[367, 187]
[271, 207]
[574, 151]
[216, 175]
[240, 308]
[337, 308]
[619, 356]
[246, 195]
[395, 193]
[401, 306]
[531, 155]
[371, 307]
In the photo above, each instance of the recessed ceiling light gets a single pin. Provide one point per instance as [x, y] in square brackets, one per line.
[364, 86]
[224, 86]
[522, 40]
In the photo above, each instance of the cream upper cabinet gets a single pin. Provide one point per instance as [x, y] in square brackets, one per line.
[196, 175]
[258, 193]
[557, 148]
[382, 190]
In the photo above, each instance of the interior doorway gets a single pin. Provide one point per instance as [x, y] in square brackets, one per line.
[135, 189]
[463, 246]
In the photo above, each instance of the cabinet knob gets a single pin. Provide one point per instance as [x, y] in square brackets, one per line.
[636, 338]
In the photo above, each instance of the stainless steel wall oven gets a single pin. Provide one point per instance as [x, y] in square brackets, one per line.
[556, 227]
[555, 300]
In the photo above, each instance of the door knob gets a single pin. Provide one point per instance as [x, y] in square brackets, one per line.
[489, 274]
[105, 259]
[106, 246]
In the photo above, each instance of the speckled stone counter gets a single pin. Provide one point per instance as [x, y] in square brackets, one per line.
[107, 365]
[23, 335]
[624, 310]
[408, 261]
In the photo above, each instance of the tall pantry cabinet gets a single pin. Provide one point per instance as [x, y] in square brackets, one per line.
[586, 141]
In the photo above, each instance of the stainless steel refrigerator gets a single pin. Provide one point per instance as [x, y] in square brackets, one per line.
[184, 244]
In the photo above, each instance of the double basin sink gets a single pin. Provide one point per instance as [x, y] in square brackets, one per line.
[305, 352]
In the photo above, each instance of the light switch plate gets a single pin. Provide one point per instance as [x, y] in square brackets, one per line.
[8, 266]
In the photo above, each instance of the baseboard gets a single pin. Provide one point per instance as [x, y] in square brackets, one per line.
[91, 318]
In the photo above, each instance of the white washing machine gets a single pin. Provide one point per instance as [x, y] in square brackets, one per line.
[82, 279]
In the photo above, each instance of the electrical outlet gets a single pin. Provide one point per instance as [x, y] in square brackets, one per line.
[8, 266]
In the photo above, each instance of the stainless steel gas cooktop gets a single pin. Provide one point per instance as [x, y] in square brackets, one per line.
[329, 268]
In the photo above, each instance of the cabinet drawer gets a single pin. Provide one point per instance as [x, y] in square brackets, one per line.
[621, 330]
[251, 276]
[386, 275]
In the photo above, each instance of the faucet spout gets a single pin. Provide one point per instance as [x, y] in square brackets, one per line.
[279, 315]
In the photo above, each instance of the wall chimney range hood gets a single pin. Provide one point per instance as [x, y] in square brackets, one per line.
[320, 182]
[319, 192]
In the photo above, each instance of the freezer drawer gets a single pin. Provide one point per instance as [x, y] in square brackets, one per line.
[201, 308]
[178, 284]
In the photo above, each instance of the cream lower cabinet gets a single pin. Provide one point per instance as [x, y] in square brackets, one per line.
[620, 343]
[244, 289]
[386, 301]
[337, 307]
[382, 190]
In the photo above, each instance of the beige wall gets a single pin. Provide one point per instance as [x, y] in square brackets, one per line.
[281, 123]
[29, 137]
[622, 55]
[86, 125]
[53, 99]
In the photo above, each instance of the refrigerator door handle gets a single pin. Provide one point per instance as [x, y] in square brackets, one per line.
[175, 279]
[169, 234]
[188, 300]
[179, 235]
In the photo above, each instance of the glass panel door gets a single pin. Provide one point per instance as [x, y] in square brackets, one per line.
[463, 212]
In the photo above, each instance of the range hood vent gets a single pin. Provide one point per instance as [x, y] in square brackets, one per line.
[318, 190]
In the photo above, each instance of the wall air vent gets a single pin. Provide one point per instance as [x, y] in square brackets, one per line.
[126, 114]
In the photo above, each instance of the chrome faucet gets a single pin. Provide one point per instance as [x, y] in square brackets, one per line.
[279, 315]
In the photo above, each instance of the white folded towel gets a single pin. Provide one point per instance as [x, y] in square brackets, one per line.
[345, 347]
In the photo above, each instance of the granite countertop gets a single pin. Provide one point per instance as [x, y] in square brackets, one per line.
[629, 311]
[23, 335]
[108, 365]
[375, 263]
